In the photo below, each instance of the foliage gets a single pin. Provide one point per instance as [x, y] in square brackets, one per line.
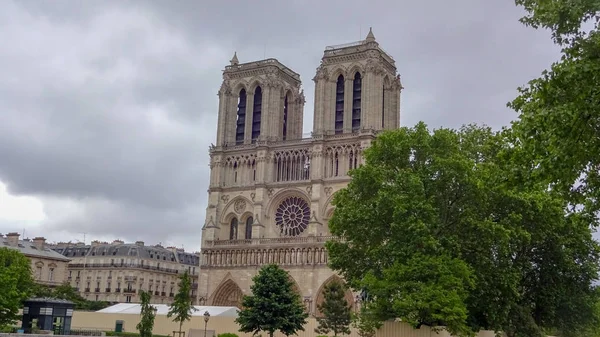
[559, 112]
[182, 307]
[227, 334]
[148, 313]
[15, 284]
[437, 233]
[335, 309]
[66, 292]
[273, 305]
[365, 322]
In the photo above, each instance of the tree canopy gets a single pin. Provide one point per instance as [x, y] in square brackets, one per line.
[273, 304]
[435, 230]
[16, 283]
[559, 112]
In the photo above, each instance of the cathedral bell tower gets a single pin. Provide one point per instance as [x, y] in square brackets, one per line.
[356, 88]
[258, 101]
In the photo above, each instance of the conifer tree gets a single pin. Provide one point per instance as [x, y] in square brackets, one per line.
[336, 311]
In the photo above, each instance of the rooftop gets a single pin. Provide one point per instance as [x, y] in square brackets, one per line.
[119, 248]
[163, 309]
[32, 248]
[234, 67]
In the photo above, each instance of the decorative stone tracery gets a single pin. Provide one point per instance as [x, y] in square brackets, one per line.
[292, 216]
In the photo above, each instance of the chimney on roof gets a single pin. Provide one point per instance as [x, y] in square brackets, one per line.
[117, 242]
[39, 242]
[139, 243]
[13, 239]
[95, 243]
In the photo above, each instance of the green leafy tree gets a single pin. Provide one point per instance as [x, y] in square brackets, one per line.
[182, 307]
[438, 233]
[16, 283]
[273, 305]
[66, 292]
[559, 112]
[365, 322]
[336, 311]
[148, 313]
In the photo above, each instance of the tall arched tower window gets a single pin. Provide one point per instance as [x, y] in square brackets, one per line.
[356, 101]
[256, 113]
[241, 118]
[249, 222]
[383, 107]
[285, 116]
[339, 105]
[233, 229]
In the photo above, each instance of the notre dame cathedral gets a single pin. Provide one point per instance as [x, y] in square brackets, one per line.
[271, 189]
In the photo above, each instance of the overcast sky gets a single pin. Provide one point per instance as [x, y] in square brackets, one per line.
[107, 108]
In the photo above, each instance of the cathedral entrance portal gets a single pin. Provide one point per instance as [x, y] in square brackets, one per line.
[228, 294]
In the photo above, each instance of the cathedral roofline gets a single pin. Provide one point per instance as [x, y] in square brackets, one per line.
[262, 64]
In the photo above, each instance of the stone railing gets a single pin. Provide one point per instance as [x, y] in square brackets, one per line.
[268, 241]
[244, 257]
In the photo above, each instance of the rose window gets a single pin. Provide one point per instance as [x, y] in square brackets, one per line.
[292, 216]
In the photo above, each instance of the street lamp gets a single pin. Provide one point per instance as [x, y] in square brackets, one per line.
[206, 318]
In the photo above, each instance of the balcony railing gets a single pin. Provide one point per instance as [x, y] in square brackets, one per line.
[107, 290]
[86, 290]
[118, 290]
[163, 294]
[97, 290]
[123, 265]
[171, 295]
[267, 241]
[129, 291]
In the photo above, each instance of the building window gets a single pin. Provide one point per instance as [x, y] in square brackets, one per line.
[38, 272]
[256, 113]
[339, 105]
[51, 274]
[249, 222]
[285, 116]
[383, 108]
[233, 229]
[241, 118]
[128, 299]
[356, 101]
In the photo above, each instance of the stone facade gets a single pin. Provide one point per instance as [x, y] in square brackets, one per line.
[270, 189]
[117, 271]
[48, 267]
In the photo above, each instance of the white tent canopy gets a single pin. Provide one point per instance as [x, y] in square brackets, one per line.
[163, 309]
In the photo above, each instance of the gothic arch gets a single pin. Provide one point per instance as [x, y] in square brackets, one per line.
[281, 195]
[327, 204]
[254, 84]
[295, 285]
[238, 87]
[228, 294]
[336, 72]
[321, 293]
[229, 209]
[353, 69]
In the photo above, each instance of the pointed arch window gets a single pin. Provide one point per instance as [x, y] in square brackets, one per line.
[256, 114]
[233, 229]
[241, 118]
[249, 222]
[383, 107]
[339, 105]
[356, 101]
[285, 116]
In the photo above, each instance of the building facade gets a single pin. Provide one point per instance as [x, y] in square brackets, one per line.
[49, 268]
[116, 272]
[270, 189]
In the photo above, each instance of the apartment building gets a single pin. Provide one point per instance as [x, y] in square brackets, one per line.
[48, 267]
[116, 272]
